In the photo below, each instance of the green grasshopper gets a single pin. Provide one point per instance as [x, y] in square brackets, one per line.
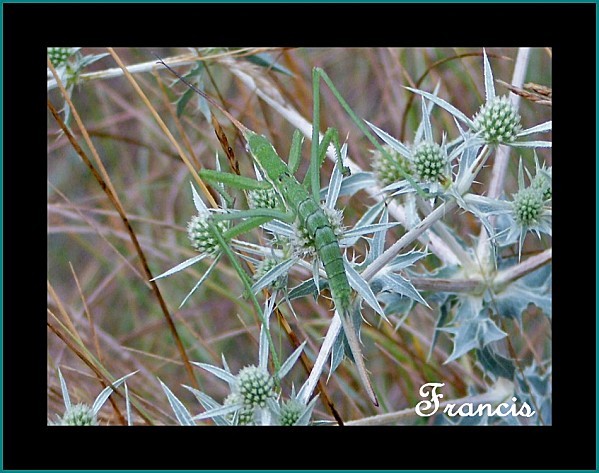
[301, 205]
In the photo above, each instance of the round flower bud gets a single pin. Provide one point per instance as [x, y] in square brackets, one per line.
[263, 199]
[542, 182]
[244, 416]
[264, 267]
[290, 412]
[527, 206]
[200, 235]
[255, 386]
[498, 121]
[429, 161]
[59, 56]
[387, 167]
[79, 414]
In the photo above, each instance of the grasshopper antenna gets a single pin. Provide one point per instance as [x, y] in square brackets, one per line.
[210, 100]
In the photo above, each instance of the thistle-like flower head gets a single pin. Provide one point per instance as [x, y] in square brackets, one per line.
[78, 415]
[255, 386]
[291, 411]
[59, 56]
[527, 206]
[263, 199]
[243, 416]
[498, 121]
[429, 160]
[200, 235]
[387, 167]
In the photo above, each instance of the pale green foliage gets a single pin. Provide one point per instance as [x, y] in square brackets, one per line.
[276, 281]
[254, 398]
[82, 414]
[79, 415]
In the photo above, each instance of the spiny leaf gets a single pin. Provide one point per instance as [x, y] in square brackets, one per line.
[532, 144]
[489, 85]
[334, 187]
[543, 127]
[289, 362]
[280, 270]
[444, 105]
[198, 202]
[207, 403]
[181, 412]
[363, 288]
[218, 372]
[534, 288]
[65, 392]
[202, 279]
[106, 392]
[495, 363]
[472, 330]
[395, 144]
[307, 288]
[218, 412]
[181, 266]
[266, 60]
[399, 285]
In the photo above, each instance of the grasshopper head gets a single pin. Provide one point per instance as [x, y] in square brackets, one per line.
[266, 158]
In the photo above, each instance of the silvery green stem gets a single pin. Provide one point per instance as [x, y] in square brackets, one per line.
[321, 359]
[134, 69]
[464, 185]
[522, 269]
[448, 285]
[503, 153]
[461, 254]
[408, 238]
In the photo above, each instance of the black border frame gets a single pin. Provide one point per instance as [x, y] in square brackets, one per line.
[29, 28]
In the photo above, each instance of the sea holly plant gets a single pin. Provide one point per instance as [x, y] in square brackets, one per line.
[528, 210]
[83, 414]
[315, 228]
[497, 121]
[414, 251]
[69, 64]
[255, 395]
[306, 233]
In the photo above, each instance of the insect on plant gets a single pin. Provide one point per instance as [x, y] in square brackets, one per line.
[301, 202]
[430, 230]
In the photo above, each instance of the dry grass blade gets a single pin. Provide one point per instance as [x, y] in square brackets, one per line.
[164, 128]
[123, 216]
[535, 93]
[81, 355]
